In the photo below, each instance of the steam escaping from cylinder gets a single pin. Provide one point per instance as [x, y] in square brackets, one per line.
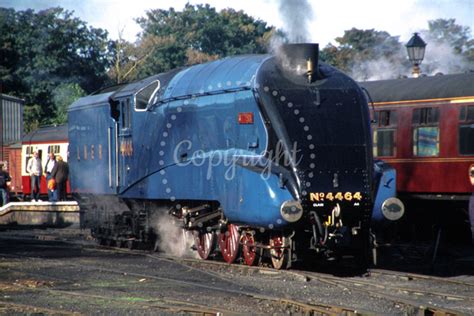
[296, 16]
[172, 238]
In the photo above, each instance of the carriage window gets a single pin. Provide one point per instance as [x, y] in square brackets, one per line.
[425, 116]
[466, 113]
[384, 134]
[53, 149]
[386, 118]
[384, 143]
[426, 141]
[145, 95]
[466, 130]
[426, 132]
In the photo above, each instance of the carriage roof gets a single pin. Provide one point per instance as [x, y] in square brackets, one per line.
[53, 133]
[423, 88]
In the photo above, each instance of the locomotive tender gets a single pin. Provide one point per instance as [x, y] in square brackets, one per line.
[265, 154]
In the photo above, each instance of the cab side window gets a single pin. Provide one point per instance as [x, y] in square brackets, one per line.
[145, 96]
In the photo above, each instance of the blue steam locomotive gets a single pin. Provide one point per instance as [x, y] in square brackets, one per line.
[256, 155]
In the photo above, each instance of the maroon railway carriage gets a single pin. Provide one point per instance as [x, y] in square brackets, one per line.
[424, 127]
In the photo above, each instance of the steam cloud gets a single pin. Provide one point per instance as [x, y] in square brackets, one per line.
[173, 240]
[440, 58]
[296, 16]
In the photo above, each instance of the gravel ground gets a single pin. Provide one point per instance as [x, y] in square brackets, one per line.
[55, 272]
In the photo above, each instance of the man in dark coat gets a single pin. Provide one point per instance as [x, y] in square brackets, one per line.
[48, 168]
[4, 179]
[471, 201]
[60, 174]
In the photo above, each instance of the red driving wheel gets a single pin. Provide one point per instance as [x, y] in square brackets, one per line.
[249, 249]
[204, 242]
[279, 252]
[229, 243]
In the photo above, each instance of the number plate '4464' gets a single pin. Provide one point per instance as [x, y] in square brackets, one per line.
[331, 196]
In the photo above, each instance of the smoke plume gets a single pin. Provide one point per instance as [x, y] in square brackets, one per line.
[173, 239]
[440, 58]
[296, 16]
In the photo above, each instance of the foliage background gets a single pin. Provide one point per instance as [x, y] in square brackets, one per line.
[50, 58]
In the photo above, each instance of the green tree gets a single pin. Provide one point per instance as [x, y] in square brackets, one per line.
[370, 54]
[446, 30]
[8, 55]
[32, 115]
[63, 96]
[41, 50]
[450, 47]
[128, 57]
[361, 53]
[199, 33]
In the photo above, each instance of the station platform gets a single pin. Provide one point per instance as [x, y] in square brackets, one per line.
[46, 214]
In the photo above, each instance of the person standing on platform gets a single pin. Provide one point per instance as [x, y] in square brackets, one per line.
[471, 201]
[35, 171]
[4, 179]
[60, 174]
[48, 168]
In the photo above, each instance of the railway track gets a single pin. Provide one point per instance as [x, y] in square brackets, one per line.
[176, 306]
[172, 306]
[414, 276]
[9, 308]
[410, 299]
[372, 287]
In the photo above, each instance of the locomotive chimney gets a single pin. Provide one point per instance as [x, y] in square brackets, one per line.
[301, 59]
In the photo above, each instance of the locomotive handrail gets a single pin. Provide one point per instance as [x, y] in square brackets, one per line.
[195, 95]
[371, 103]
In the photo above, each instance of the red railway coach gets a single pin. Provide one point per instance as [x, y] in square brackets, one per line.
[43, 140]
[424, 127]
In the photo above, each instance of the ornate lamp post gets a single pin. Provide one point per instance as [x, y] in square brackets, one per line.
[416, 53]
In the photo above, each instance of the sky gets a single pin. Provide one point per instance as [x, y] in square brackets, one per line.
[329, 19]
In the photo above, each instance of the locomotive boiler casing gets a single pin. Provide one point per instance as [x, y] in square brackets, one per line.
[177, 150]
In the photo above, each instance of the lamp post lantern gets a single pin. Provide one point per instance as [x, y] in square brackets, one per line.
[416, 53]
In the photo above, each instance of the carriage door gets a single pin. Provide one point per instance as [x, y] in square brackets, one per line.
[124, 144]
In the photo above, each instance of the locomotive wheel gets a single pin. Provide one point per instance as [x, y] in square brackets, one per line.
[229, 243]
[249, 250]
[279, 254]
[204, 242]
